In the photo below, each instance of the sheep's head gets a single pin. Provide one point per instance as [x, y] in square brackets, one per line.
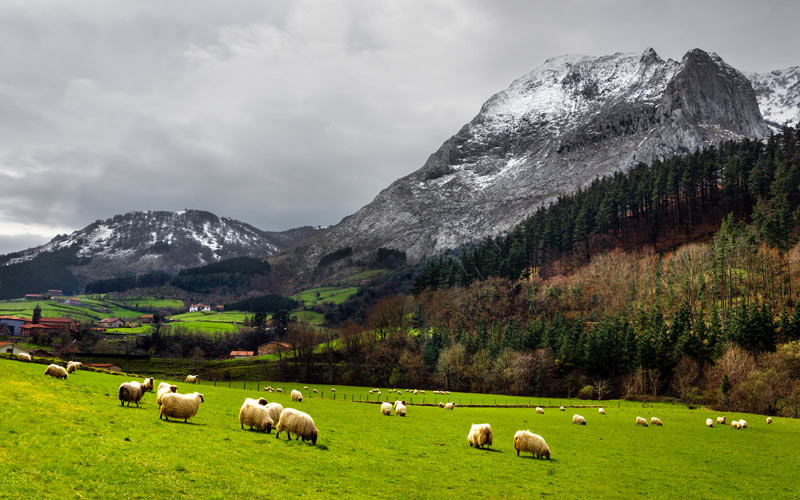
[546, 454]
[201, 397]
[173, 388]
[313, 435]
[262, 401]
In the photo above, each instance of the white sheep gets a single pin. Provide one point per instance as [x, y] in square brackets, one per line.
[641, 421]
[275, 410]
[72, 367]
[297, 396]
[421, 391]
[441, 404]
[314, 391]
[539, 409]
[415, 392]
[269, 388]
[562, 408]
[386, 408]
[577, 419]
[191, 379]
[480, 435]
[298, 422]
[533, 443]
[447, 392]
[743, 423]
[709, 422]
[400, 410]
[56, 371]
[449, 406]
[601, 411]
[179, 406]
[23, 356]
[131, 392]
[656, 421]
[721, 420]
[333, 389]
[305, 387]
[164, 388]
[279, 390]
[769, 420]
[255, 414]
[736, 425]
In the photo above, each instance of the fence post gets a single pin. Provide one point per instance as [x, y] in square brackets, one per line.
[229, 384]
[334, 396]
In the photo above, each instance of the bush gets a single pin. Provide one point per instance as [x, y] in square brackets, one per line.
[586, 392]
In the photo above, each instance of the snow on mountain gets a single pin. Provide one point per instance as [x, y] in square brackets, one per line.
[778, 94]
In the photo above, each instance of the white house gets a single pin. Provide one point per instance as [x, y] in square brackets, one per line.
[199, 307]
[9, 348]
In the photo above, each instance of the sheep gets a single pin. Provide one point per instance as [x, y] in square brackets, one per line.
[449, 406]
[577, 419]
[131, 392]
[386, 408]
[305, 387]
[533, 443]
[709, 422]
[148, 383]
[441, 404]
[400, 410]
[641, 421]
[298, 422]
[56, 371]
[721, 420]
[269, 388]
[743, 423]
[562, 408]
[297, 396]
[179, 406]
[539, 409]
[480, 435]
[333, 389]
[191, 379]
[314, 391]
[279, 390]
[255, 414]
[656, 421]
[436, 392]
[415, 392]
[397, 402]
[447, 392]
[72, 367]
[601, 411]
[23, 356]
[422, 392]
[736, 425]
[164, 388]
[275, 410]
[769, 420]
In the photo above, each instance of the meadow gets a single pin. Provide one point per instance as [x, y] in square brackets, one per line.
[72, 439]
[92, 309]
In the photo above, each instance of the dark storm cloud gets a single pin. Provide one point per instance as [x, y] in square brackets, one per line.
[283, 114]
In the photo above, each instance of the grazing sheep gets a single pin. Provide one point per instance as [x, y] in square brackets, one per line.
[577, 419]
[769, 420]
[641, 421]
[269, 388]
[56, 371]
[298, 422]
[539, 409]
[656, 421]
[447, 392]
[533, 443]
[279, 390]
[131, 392]
[398, 402]
[255, 414]
[275, 410]
[386, 408]
[72, 367]
[164, 388]
[721, 420]
[23, 356]
[562, 409]
[191, 379]
[179, 406]
[441, 404]
[400, 409]
[415, 392]
[743, 423]
[601, 411]
[333, 389]
[709, 422]
[436, 392]
[449, 406]
[422, 392]
[480, 435]
[297, 396]
[148, 383]
[305, 387]
[314, 391]
[736, 425]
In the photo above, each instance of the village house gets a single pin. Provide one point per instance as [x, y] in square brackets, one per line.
[11, 348]
[72, 301]
[240, 354]
[62, 325]
[105, 366]
[111, 323]
[35, 329]
[146, 319]
[34, 296]
[12, 324]
[199, 307]
[55, 292]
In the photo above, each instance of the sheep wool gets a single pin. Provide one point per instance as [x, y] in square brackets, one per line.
[191, 379]
[148, 383]
[23, 356]
[562, 409]
[441, 404]
[721, 420]
[297, 422]
[577, 419]
[400, 410]
[656, 421]
[72, 367]
[736, 425]
[333, 389]
[769, 420]
[601, 411]
[314, 391]
[275, 410]
[56, 371]
[449, 406]
[743, 423]
[164, 388]
[480, 435]
[279, 390]
[131, 392]
[539, 409]
[256, 415]
[709, 422]
[641, 421]
[297, 396]
[532, 443]
[179, 406]
[386, 408]
[305, 387]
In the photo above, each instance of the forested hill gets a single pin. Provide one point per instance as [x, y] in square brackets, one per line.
[661, 205]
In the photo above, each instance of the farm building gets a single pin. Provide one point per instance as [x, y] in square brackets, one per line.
[105, 366]
[55, 292]
[111, 323]
[199, 307]
[10, 348]
[34, 296]
[240, 354]
[65, 325]
[13, 324]
[34, 329]
[147, 318]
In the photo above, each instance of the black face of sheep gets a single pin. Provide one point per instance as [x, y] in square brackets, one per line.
[546, 454]
[262, 401]
[314, 436]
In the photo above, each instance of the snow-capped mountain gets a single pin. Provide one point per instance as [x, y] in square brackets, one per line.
[139, 242]
[778, 94]
[552, 131]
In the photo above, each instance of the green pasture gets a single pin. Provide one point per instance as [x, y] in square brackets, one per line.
[365, 275]
[91, 310]
[219, 317]
[330, 294]
[151, 302]
[72, 439]
[310, 317]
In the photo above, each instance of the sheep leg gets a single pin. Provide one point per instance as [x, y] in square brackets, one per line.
[517, 452]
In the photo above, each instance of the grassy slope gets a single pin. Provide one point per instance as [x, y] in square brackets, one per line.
[152, 302]
[50, 309]
[334, 295]
[72, 439]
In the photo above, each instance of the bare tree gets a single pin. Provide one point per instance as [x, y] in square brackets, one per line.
[601, 386]
[685, 376]
[452, 366]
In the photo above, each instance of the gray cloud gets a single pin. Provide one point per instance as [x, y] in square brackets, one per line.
[289, 113]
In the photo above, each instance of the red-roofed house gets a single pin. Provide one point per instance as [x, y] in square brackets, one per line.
[13, 324]
[31, 329]
[241, 354]
[273, 348]
[11, 348]
[111, 323]
[199, 307]
[65, 325]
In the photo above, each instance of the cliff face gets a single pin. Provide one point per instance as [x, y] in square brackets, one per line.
[567, 122]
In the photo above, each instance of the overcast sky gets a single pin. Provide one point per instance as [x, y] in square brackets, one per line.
[283, 114]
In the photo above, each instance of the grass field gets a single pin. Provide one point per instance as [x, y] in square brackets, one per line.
[333, 295]
[137, 302]
[71, 439]
[93, 310]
